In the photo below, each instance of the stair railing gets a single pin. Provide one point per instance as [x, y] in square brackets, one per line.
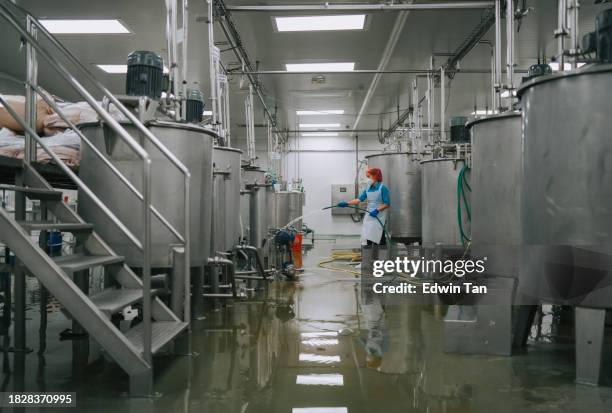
[28, 36]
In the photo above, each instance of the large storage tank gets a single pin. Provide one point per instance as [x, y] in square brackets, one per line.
[193, 146]
[251, 176]
[566, 254]
[402, 175]
[226, 198]
[440, 224]
[288, 206]
[496, 192]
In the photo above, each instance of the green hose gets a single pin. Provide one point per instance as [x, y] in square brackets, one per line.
[462, 185]
[387, 235]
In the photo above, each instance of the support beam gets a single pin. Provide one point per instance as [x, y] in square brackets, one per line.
[364, 7]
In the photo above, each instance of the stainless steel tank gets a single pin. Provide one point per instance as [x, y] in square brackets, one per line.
[193, 146]
[439, 202]
[288, 206]
[250, 176]
[402, 175]
[566, 256]
[496, 192]
[226, 198]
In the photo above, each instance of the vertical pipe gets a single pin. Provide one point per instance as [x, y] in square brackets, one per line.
[498, 55]
[30, 100]
[561, 32]
[442, 103]
[212, 68]
[185, 54]
[226, 125]
[510, 50]
[493, 107]
[356, 165]
[146, 267]
[187, 255]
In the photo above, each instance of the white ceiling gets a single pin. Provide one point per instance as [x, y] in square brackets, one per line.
[424, 32]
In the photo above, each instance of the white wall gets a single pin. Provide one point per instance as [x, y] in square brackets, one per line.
[323, 162]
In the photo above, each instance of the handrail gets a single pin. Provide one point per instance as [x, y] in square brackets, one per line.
[103, 158]
[70, 173]
[145, 246]
[161, 147]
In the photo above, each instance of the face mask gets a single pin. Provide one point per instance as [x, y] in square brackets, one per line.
[370, 181]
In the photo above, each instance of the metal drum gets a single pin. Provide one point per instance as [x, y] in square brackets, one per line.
[288, 205]
[402, 175]
[566, 256]
[226, 198]
[193, 146]
[496, 192]
[250, 176]
[439, 202]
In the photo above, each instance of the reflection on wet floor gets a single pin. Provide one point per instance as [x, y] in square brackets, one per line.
[318, 345]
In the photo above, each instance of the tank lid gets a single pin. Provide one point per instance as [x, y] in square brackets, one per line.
[493, 117]
[584, 70]
[226, 148]
[391, 153]
[145, 58]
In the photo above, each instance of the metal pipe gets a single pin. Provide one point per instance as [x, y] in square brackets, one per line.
[498, 55]
[30, 97]
[442, 104]
[510, 51]
[212, 69]
[384, 60]
[365, 7]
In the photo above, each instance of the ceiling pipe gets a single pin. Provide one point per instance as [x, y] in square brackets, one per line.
[384, 60]
[364, 7]
[372, 71]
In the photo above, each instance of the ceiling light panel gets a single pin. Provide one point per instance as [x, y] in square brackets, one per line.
[73, 26]
[320, 112]
[320, 23]
[321, 67]
[319, 134]
[319, 125]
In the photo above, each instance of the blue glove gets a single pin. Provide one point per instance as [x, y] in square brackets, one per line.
[374, 212]
[342, 204]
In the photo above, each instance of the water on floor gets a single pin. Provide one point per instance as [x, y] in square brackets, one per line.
[311, 346]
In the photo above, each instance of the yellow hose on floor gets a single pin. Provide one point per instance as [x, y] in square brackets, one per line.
[341, 256]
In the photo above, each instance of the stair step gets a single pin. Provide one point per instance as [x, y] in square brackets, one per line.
[113, 301]
[79, 262]
[162, 333]
[35, 193]
[53, 226]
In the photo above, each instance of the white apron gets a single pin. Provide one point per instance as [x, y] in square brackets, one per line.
[371, 229]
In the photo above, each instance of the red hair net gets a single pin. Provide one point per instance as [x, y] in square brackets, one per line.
[375, 173]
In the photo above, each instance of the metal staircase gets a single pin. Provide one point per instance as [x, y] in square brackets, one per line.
[132, 349]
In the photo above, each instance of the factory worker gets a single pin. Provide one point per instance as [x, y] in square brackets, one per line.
[377, 195]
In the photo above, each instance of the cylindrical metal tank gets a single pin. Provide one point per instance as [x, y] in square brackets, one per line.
[288, 206]
[226, 198]
[496, 192]
[193, 146]
[439, 202]
[566, 254]
[402, 175]
[261, 203]
[250, 176]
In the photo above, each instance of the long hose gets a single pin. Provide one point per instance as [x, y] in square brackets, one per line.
[387, 235]
[462, 185]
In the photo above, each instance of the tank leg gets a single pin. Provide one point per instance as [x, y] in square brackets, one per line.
[590, 325]
[178, 282]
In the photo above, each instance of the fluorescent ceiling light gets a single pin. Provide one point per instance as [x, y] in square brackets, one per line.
[317, 358]
[320, 23]
[320, 134]
[320, 379]
[74, 26]
[319, 125]
[119, 69]
[321, 67]
[320, 112]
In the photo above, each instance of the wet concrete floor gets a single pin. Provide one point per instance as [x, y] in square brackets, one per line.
[316, 345]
